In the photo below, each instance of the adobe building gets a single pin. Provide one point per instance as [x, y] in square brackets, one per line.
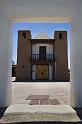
[42, 11]
[42, 58]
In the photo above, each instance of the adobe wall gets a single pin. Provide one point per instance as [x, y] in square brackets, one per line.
[61, 56]
[23, 56]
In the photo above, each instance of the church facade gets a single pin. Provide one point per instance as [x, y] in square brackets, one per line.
[42, 58]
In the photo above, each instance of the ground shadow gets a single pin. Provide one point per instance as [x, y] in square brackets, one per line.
[79, 112]
[2, 110]
[47, 122]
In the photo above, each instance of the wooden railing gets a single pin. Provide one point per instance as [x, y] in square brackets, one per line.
[49, 57]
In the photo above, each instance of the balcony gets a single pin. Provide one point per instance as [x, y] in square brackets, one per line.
[41, 57]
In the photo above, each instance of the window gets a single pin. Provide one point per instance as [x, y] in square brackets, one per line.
[60, 36]
[42, 52]
[24, 35]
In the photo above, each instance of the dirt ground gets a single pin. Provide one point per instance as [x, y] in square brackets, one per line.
[56, 90]
[21, 92]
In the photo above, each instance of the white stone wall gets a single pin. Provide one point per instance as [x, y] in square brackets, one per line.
[35, 48]
[50, 72]
[33, 72]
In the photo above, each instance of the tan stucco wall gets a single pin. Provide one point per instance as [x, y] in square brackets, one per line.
[23, 57]
[61, 57]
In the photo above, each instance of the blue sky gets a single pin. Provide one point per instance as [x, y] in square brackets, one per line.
[37, 28]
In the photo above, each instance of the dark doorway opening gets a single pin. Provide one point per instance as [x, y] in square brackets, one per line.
[42, 52]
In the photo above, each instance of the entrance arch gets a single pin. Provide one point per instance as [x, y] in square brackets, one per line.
[56, 11]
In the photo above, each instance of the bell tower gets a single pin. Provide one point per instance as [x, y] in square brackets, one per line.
[61, 56]
[23, 56]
